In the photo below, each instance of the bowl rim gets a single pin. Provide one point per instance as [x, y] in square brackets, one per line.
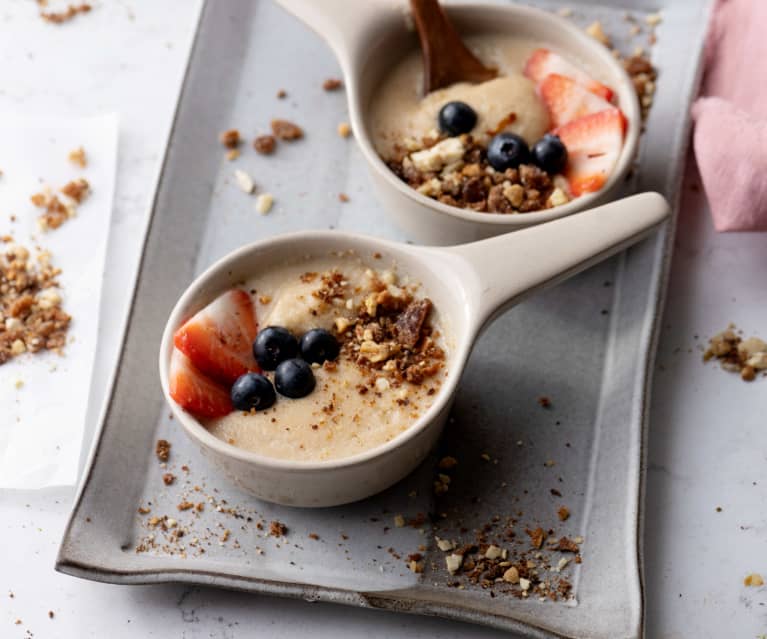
[630, 111]
[197, 430]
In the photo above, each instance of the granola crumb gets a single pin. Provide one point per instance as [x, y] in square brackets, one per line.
[399, 521]
[563, 513]
[168, 478]
[77, 156]
[332, 84]
[60, 17]
[265, 144]
[230, 138]
[76, 189]
[277, 529]
[314, 536]
[344, 130]
[747, 357]
[285, 130]
[51, 614]
[544, 401]
[342, 197]
[653, 19]
[282, 94]
[264, 203]
[30, 306]
[162, 450]
[232, 154]
[447, 462]
[244, 181]
[596, 31]
[753, 580]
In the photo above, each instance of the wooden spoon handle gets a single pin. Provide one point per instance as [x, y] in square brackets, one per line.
[447, 60]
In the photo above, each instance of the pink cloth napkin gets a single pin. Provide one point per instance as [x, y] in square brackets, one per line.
[730, 138]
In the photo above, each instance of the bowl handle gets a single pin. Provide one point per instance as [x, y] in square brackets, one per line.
[509, 267]
[344, 25]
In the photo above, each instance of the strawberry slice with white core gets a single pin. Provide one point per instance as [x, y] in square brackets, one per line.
[194, 392]
[593, 144]
[219, 338]
[567, 100]
[543, 62]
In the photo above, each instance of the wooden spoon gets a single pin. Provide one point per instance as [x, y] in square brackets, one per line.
[446, 59]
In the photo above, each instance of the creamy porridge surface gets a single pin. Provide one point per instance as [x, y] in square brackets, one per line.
[399, 110]
[355, 406]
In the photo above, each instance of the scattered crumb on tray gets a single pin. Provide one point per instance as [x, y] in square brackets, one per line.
[747, 357]
[285, 130]
[230, 138]
[77, 156]
[332, 84]
[265, 144]
[59, 17]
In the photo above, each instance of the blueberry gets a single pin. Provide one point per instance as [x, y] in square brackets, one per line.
[549, 153]
[273, 345]
[252, 390]
[456, 118]
[317, 345]
[507, 151]
[294, 378]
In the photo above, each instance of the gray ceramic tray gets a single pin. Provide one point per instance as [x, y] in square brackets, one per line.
[587, 345]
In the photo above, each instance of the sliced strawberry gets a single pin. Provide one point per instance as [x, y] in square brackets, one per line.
[593, 145]
[567, 100]
[219, 338]
[543, 62]
[195, 392]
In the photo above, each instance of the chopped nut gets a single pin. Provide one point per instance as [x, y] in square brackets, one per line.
[453, 563]
[433, 159]
[753, 580]
[444, 544]
[511, 575]
[285, 130]
[493, 552]
[244, 181]
[332, 84]
[446, 463]
[596, 31]
[758, 361]
[162, 450]
[61, 17]
[230, 138]
[653, 19]
[344, 130]
[537, 537]
[77, 156]
[265, 144]
[524, 583]
[264, 203]
[557, 198]
[374, 352]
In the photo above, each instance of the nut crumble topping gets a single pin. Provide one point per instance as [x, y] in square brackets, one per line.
[31, 317]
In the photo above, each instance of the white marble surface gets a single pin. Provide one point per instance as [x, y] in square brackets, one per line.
[708, 441]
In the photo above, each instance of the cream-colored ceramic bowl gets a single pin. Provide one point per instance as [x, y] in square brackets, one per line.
[468, 288]
[370, 38]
